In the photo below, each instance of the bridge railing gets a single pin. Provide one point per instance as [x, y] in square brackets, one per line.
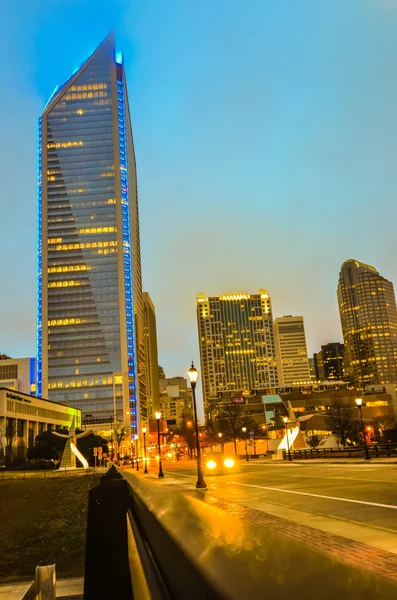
[163, 540]
[130, 554]
[375, 451]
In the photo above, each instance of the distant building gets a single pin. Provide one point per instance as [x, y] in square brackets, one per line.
[172, 409]
[368, 313]
[18, 374]
[333, 361]
[236, 341]
[291, 351]
[177, 388]
[312, 368]
[319, 366]
[23, 417]
[161, 372]
[151, 355]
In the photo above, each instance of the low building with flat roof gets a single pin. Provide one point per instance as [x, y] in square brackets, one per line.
[18, 374]
[23, 417]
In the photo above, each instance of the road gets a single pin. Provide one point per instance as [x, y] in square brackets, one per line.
[363, 493]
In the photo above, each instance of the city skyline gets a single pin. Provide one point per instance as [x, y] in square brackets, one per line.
[301, 220]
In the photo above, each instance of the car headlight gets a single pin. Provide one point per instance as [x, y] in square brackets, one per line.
[229, 462]
[211, 464]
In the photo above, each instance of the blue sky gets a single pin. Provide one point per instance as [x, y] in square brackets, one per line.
[266, 144]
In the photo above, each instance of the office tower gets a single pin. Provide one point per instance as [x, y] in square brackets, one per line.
[90, 310]
[236, 344]
[177, 387]
[151, 355]
[291, 351]
[368, 313]
[332, 354]
[312, 368]
[319, 366]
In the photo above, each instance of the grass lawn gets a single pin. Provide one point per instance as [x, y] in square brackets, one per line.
[43, 521]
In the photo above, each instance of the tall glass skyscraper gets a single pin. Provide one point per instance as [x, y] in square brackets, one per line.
[90, 310]
[368, 314]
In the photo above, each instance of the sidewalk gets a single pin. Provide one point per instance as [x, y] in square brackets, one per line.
[66, 588]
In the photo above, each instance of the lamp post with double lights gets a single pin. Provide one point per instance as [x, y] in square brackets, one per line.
[158, 417]
[244, 430]
[359, 402]
[193, 375]
[144, 449]
[285, 419]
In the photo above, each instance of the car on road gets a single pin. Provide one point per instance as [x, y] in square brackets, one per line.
[219, 463]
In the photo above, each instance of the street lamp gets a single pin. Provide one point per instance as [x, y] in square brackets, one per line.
[193, 375]
[285, 419]
[158, 417]
[244, 429]
[136, 446]
[144, 448]
[359, 402]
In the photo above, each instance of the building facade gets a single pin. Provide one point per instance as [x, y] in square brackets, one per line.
[177, 388]
[236, 339]
[90, 308]
[332, 354]
[291, 351]
[23, 417]
[368, 313]
[319, 366]
[151, 355]
[18, 374]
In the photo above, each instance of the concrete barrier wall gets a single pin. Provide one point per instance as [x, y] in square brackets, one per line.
[248, 561]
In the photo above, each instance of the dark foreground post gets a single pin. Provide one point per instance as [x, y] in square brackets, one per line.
[107, 541]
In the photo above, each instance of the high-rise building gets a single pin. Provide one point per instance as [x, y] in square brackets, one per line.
[312, 368]
[291, 351]
[236, 344]
[177, 387]
[151, 355]
[333, 361]
[319, 366]
[90, 310]
[368, 314]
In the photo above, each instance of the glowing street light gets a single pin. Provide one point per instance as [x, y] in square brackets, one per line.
[193, 375]
[359, 402]
[285, 419]
[244, 430]
[144, 448]
[158, 417]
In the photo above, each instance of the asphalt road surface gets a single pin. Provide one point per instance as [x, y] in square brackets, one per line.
[364, 493]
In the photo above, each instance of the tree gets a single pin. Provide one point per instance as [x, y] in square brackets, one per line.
[10, 434]
[87, 444]
[344, 425]
[118, 434]
[185, 430]
[48, 446]
[314, 440]
[383, 423]
[231, 420]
